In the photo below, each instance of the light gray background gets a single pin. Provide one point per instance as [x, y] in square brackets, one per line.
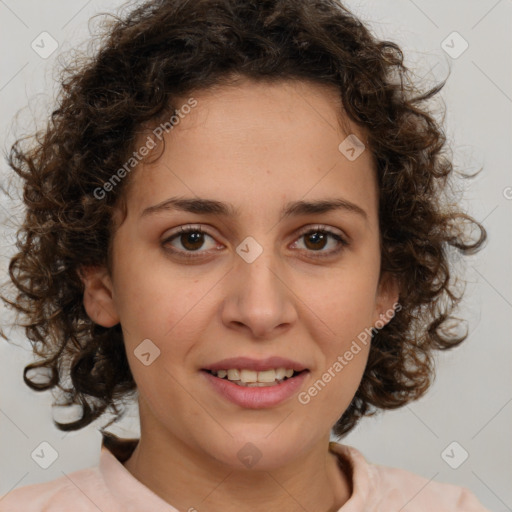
[470, 401]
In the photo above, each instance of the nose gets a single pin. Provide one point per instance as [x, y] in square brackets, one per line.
[259, 300]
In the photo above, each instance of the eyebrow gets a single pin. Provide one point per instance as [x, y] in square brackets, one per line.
[292, 209]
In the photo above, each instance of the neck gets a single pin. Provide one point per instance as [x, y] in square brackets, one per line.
[189, 480]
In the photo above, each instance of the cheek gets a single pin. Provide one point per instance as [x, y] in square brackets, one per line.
[153, 295]
[343, 303]
[331, 391]
[343, 336]
[346, 308]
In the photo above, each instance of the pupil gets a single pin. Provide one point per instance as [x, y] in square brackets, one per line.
[318, 237]
[196, 240]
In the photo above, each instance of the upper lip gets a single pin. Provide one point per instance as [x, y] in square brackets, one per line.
[256, 364]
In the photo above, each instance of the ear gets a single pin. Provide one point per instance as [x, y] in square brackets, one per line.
[98, 297]
[386, 303]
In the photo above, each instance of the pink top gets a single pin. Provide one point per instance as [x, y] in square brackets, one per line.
[110, 487]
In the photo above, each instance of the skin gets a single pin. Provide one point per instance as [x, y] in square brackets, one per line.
[257, 146]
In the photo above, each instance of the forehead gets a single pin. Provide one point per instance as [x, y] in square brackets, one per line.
[257, 143]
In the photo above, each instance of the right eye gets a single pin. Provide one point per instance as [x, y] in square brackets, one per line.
[190, 238]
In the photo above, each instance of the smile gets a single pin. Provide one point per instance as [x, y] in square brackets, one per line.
[255, 394]
[252, 378]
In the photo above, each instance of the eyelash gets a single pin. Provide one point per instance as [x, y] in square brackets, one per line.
[317, 229]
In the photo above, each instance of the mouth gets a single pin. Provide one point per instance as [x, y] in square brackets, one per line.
[251, 378]
[255, 395]
[255, 383]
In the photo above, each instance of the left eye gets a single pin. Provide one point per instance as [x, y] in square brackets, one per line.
[319, 237]
[192, 239]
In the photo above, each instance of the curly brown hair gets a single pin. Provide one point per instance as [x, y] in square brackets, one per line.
[164, 49]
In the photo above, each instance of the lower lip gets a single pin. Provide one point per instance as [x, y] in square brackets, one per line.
[256, 397]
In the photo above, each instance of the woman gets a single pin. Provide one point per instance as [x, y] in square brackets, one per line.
[237, 215]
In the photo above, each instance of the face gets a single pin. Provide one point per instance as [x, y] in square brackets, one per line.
[255, 283]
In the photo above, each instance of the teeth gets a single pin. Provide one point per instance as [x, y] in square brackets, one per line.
[233, 375]
[281, 373]
[256, 384]
[248, 376]
[267, 376]
[254, 378]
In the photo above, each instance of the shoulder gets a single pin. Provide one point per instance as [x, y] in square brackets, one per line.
[422, 494]
[382, 488]
[76, 491]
